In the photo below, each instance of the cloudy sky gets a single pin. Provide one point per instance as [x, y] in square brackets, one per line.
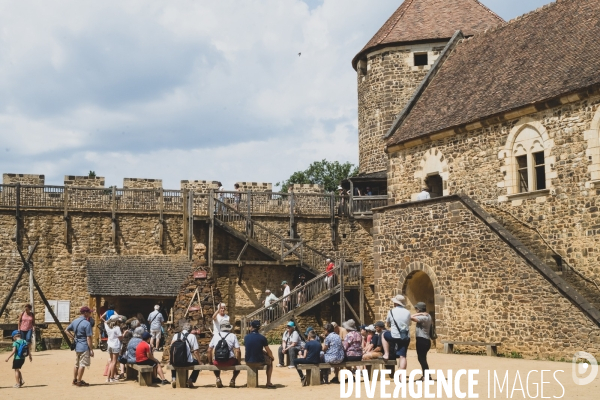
[184, 89]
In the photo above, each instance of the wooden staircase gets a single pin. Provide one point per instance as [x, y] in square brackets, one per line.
[317, 290]
[253, 233]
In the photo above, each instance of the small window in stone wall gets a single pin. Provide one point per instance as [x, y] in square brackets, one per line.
[540, 170]
[523, 174]
[421, 59]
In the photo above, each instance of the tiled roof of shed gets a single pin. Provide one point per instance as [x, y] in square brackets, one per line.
[137, 275]
[420, 20]
[540, 56]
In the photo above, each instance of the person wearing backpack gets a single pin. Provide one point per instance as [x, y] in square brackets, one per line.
[224, 351]
[20, 351]
[398, 337]
[184, 352]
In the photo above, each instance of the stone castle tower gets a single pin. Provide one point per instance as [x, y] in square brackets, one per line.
[397, 59]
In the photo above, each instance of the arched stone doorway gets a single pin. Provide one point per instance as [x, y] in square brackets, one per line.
[418, 282]
[418, 287]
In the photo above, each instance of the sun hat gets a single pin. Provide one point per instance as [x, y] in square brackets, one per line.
[421, 306]
[380, 324]
[291, 324]
[255, 324]
[334, 324]
[370, 328]
[349, 325]
[399, 299]
[146, 335]
[15, 333]
[113, 317]
[225, 326]
[84, 309]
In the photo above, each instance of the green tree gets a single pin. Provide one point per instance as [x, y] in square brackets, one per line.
[328, 174]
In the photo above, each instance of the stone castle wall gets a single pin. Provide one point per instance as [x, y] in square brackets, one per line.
[25, 179]
[475, 163]
[200, 186]
[307, 188]
[483, 290]
[385, 84]
[84, 181]
[142, 183]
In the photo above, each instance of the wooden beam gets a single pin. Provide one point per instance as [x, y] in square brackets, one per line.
[16, 283]
[244, 262]
[358, 320]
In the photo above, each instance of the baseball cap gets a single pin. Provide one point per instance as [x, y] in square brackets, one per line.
[255, 324]
[84, 309]
[283, 283]
[146, 336]
[380, 324]
[15, 333]
[291, 323]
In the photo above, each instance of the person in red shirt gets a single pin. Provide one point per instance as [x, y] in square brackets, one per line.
[329, 270]
[144, 356]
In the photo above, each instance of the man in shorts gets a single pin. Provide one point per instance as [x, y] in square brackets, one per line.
[80, 331]
[258, 352]
[19, 358]
[155, 319]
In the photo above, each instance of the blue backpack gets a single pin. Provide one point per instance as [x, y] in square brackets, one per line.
[23, 350]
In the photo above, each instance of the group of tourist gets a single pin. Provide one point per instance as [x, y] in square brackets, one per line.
[132, 341]
[347, 343]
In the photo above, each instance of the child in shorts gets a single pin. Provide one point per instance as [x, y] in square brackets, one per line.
[19, 358]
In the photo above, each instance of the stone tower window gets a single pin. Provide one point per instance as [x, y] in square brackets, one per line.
[540, 170]
[523, 175]
[421, 59]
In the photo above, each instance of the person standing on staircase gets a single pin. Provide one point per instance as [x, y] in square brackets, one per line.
[286, 297]
[268, 301]
[329, 270]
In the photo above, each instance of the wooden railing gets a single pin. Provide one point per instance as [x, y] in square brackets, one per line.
[364, 204]
[307, 296]
[111, 199]
[311, 291]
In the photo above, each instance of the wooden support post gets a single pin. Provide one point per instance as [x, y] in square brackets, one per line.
[249, 213]
[18, 215]
[292, 207]
[31, 300]
[16, 283]
[361, 290]
[351, 200]
[190, 232]
[114, 215]
[66, 214]
[185, 217]
[180, 378]
[342, 294]
[161, 221]
[333, 222]
[211, 227]
[96, 307]
[358, 320]
[252, 381]
[45, 301]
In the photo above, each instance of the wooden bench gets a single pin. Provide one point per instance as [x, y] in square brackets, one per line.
[491, 348]
[182, 377]
[143, 373]
[313, 371]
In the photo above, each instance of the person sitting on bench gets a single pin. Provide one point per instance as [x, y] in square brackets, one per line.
[258, 352]
[290, 343]
[376, 348]
[144, 356]
[333, 352]
[224, 351]
[310, 355]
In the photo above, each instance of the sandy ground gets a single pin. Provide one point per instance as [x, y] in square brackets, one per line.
[49, 377]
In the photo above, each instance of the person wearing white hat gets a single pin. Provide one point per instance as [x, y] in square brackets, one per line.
[397, 337]
[268, 301]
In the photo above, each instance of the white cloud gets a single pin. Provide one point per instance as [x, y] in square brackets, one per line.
[181, 89]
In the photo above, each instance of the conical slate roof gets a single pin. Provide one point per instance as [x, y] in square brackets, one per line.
[426, 20]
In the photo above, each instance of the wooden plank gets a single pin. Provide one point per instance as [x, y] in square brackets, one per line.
[471, 343]
[244, 262]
